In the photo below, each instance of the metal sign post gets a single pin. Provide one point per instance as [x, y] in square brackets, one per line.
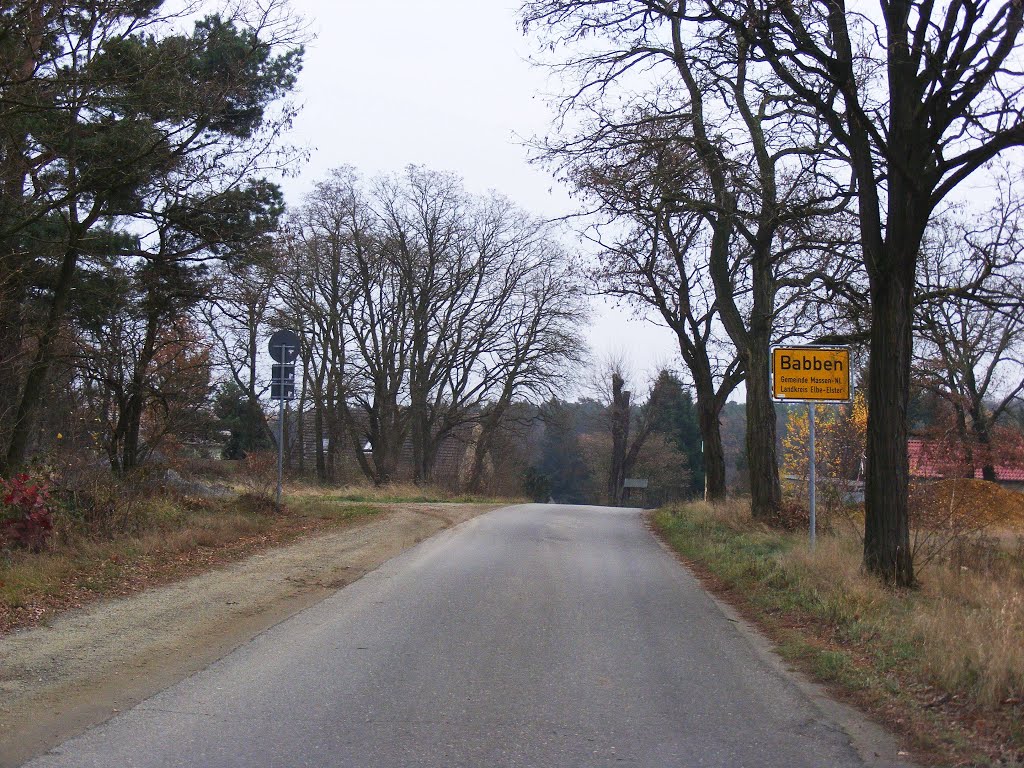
[280, 450]
[813, 469]
[284, 348]
[811, 374]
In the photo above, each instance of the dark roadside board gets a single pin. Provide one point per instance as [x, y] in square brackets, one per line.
[284, 346]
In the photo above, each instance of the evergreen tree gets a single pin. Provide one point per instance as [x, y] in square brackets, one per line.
[242, 418]
[111, 117]
[677, 420]
[561, 459]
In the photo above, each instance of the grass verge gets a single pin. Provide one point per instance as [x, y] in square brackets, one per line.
[394, 493]
[169, 537]
[942, 665]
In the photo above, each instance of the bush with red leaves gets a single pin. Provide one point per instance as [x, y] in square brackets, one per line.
[26, 515]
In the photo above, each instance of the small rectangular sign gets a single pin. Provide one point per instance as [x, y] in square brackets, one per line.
[282, 382]
[284, 391]
[634, 482]
[811, 374]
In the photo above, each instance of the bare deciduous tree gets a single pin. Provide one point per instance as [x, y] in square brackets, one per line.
[540, 341]
[765, 167]
[920, 95]
[658, 259]
[970, 324]
[443, 307]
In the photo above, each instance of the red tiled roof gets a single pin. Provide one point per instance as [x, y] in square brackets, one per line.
[924, 465]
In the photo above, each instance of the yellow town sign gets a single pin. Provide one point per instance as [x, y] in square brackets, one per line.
[811, 374]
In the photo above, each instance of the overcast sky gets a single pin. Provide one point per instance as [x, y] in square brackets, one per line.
[445, 84]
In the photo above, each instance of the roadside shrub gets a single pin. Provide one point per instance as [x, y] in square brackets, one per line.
[100, 505]
[793, 515]
[210, 469]
[256, 503]
[26, 517]
[951, 515]
[257, 474]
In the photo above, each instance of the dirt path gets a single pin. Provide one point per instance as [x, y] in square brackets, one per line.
[58, 680]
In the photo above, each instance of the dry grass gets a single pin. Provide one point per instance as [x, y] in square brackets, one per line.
[393, 493]
[119, 536]
[972, 633]
[967, 625]
[133, 539]
[958, 640]
[81, 559]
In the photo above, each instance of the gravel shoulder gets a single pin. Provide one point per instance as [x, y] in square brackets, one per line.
[58, 680]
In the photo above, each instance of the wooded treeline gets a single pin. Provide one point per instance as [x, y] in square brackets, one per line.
[146, 255]
[760, 172]
[573, 453]
[423, 310]
[135, 146]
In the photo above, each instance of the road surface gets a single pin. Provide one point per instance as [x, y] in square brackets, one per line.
[536, 635]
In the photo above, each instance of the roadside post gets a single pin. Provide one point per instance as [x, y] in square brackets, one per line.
[283, 348]
[811, 480]
[811, 374]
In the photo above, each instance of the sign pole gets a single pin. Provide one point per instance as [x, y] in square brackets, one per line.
[812, 484]
[283, 347]
[280, 434]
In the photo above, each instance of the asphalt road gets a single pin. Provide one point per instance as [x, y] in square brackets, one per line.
[536, 635]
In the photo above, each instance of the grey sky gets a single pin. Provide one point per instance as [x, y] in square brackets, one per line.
[444, 84]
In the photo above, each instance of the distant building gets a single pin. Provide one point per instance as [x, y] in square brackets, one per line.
[928, 462]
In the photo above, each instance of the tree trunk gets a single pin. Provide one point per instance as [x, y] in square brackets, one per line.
[713, 450]
[11, 341]
[984, 437]
[886, 526]
[480, 451]
[385, 463]
[42, 360]
[428, 431]
[429, 459]
[301, 425]
[136, 403]
[130, 453]
[356, 438]
[387, 439]
[965, 439]
[488, 429]
[419, 435]
[13, 264]
[620, 438]
[318, 436]
[14, 261]
[39, 370]
[419, 411]
[765, 489]
[332, 458]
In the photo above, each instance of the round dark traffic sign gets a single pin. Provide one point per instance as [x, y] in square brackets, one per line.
[284, 346]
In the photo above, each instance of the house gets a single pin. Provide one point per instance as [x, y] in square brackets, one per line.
[928, 461]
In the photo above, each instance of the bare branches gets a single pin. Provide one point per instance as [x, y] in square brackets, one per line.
[689, 141]
[970, 324]
[445, 308]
